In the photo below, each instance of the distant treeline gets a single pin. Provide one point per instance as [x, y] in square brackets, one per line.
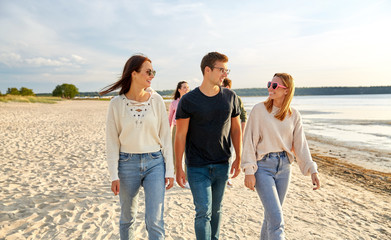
[263, 91]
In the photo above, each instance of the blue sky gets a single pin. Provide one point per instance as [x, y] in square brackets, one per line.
[86, 43]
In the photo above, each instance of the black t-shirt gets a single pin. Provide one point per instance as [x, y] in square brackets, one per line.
[208, 137]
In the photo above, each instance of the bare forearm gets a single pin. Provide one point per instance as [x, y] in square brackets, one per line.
[236, 136]
[179, 147]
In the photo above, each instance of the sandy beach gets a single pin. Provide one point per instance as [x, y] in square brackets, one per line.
[54, 184]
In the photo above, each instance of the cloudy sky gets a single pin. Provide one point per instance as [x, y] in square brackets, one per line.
[86, 43]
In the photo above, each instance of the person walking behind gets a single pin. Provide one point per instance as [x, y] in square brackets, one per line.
[207, 118]
[181, 89]
[139, 150]
[227, 83]
[273, 137]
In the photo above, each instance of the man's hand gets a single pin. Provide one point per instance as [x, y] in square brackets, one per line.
[180, 177]
[235, 169]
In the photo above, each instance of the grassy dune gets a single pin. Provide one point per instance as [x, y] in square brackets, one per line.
[29, 99]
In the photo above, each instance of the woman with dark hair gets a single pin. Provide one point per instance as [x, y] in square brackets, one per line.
[273, 138]
[181, 89]
[139, 150]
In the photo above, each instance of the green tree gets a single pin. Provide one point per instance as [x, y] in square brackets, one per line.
[65, 91]
[57, 92]
[13, 91]
[26, 92]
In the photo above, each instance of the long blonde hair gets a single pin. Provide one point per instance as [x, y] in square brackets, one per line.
[288, 82]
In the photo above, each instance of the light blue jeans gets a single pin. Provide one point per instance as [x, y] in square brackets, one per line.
[146, 170]
[272, 181]
[207, 184]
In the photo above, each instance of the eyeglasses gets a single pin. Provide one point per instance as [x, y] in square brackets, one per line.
[274, 85]
[151, 72]
[223, 70]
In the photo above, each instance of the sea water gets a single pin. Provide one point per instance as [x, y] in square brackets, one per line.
[358, 121]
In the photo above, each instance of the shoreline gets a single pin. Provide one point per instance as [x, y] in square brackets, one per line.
[54, 184]
[372, 180]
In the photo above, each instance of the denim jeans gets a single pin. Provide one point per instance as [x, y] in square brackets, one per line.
[272, 181]
[146, 170]
[207, 184]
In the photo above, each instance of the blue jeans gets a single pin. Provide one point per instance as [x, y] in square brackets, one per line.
[207, 184]
[146, 170]
[272, 181]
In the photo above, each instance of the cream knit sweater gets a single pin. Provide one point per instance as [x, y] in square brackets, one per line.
[138, 129]
[264, 134]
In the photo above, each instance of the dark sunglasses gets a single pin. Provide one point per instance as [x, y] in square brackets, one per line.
[274, 85]
[151, 72]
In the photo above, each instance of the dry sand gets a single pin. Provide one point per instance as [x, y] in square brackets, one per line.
[54, 185]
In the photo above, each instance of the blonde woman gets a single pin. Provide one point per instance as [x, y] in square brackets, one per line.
[273, 138]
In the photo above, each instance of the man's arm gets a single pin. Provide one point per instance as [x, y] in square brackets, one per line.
[182, 126]
[236, 136]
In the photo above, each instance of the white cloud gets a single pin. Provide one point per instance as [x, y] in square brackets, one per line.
[90, 41]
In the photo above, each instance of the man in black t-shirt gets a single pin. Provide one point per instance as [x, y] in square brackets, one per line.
[206, 119]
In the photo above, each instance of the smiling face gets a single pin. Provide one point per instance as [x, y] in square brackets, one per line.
[143, 78]
[184, 89]
[279, 93]
[217, 74]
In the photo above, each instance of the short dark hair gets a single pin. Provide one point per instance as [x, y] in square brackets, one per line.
[227, 82]
[211, 58]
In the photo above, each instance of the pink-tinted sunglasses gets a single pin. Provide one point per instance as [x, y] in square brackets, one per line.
[274, 85]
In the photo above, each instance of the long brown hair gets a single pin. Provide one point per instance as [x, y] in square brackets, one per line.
[134, 63]
[288, 82]
[178, 86]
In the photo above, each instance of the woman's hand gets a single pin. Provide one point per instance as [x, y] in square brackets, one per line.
[169, 183]
[115, 187]
[249, 181]
[315, 181]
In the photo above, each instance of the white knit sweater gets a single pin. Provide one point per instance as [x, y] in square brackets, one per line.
[134, 127]
[264, 134]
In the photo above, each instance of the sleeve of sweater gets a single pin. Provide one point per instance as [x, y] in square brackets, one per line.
[165, 138]
[171, 112]
[301, 149]
[251, 138]
[112, 141]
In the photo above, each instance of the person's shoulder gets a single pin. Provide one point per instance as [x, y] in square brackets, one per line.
[258, 109]
[117, 99]
[193, 93]
[227, 91]
[259, 106]
[154, 94]
[295, 112]
[174, 102]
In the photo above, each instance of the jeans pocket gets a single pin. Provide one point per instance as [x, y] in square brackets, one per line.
[123, 157]
[155, 155]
